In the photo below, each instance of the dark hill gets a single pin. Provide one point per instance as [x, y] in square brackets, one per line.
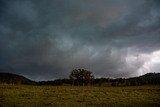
[151, 78]
[147, 79]
[150, 75]
[10, 78]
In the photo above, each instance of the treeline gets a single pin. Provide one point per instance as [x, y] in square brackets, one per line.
[147, 79]
[82, 77]
[97, 81]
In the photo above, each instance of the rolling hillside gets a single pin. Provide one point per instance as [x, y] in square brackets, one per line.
[149, 78]
[10, 78]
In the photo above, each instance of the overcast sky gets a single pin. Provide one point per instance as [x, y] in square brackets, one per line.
[46, 39]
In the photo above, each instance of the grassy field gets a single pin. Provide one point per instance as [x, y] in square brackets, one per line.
[73, 96]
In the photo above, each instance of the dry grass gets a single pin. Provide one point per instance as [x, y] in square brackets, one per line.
[72, 96]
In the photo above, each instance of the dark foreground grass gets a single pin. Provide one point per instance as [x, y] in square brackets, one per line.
[72, 96]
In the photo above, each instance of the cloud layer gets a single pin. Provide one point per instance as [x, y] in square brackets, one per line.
[47, 39]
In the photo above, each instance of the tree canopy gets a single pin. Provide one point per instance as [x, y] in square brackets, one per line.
[81, 77]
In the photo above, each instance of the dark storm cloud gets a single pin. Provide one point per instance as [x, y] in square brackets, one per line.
[46, 39]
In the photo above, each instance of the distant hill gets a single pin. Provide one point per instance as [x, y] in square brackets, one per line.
[10, 78]
[147, 79]
[151, 75]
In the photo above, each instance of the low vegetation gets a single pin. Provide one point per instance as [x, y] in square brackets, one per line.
[78, 96]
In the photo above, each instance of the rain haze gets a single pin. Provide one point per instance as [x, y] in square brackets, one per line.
[46, 39]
